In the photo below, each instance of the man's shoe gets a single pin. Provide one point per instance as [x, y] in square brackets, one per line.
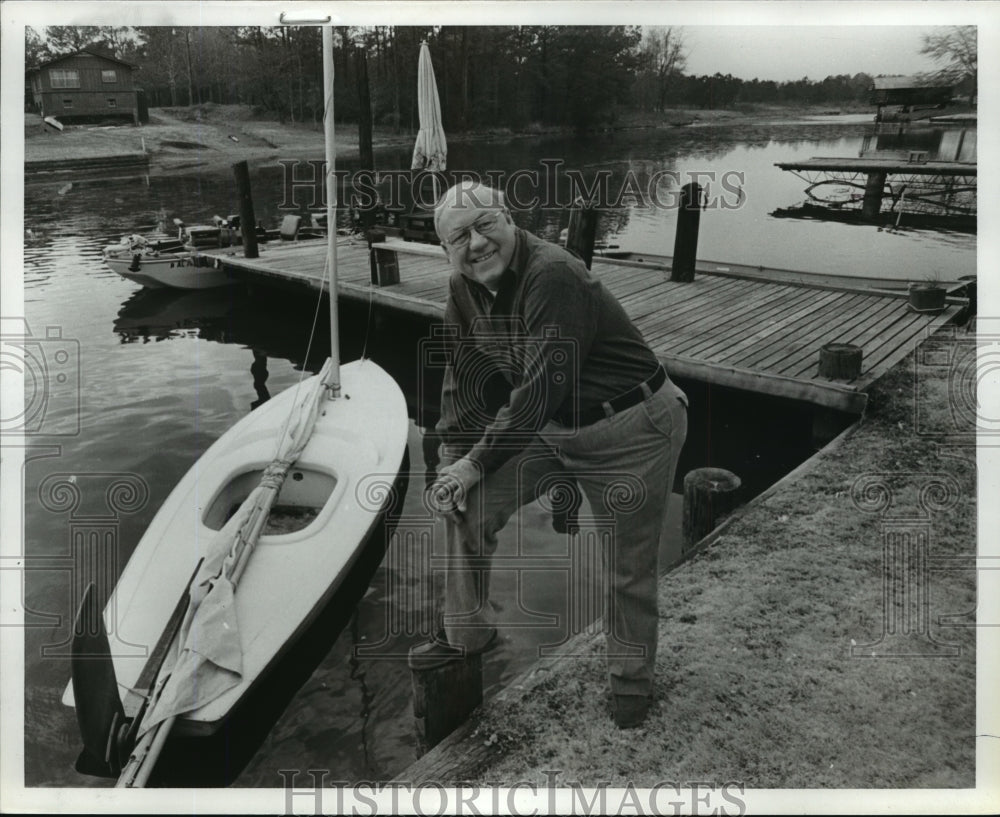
[631, 710]
[437, 651]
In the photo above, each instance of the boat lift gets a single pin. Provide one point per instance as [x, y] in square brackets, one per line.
[918, 185]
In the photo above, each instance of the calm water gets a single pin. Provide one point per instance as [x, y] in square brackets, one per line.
[152, 378]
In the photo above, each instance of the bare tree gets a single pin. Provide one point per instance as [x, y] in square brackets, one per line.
[163, 64]
[954, 48]
[68, 39]
[190, 71]
[122, 41]
[35, 49]
[663, 59]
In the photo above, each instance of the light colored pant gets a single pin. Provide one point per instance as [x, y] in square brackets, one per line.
[625, 465]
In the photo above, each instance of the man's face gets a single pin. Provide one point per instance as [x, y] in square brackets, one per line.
[479, 241]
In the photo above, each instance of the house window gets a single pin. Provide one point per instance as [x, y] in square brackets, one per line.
[64, 78]
[67, 103]
[112, 102]
[109, 76]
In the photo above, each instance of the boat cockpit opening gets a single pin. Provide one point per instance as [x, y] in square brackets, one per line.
[302, 496]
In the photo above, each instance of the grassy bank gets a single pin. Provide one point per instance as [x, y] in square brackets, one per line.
[766, 673]
[216, 135]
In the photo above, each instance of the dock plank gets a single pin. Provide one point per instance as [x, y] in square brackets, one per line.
[794, 329]
[716, 339]
[883, 165]
[805, 343]
[887, 359]
[880, 332]
[678, 298]
[797, 363]
[709, 339]
[710, 311]
[681, 297]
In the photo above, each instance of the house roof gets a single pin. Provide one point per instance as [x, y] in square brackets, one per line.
[87, 51]
[898, 83]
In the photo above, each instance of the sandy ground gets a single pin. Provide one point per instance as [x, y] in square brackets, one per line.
[773, 667]
[177, 138]
[217, 135]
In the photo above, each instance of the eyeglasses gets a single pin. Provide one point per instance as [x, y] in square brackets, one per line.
[484, 226]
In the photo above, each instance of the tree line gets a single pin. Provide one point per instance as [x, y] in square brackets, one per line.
[487, 76]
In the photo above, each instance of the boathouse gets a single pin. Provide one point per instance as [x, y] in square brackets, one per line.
[906, 94]
[85, 86]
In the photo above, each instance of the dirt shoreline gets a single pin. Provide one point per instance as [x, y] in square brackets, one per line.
[767, 672]
[211, 137]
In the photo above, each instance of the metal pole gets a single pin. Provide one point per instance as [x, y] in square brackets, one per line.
[333, 381]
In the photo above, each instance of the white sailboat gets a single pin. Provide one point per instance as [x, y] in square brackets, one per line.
[215, 595]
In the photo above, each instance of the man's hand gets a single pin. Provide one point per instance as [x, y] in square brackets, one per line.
[448, 495]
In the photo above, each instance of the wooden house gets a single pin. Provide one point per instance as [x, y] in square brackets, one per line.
[85, 86]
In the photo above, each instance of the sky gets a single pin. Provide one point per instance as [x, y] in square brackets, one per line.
[783, 53]
[746, 39]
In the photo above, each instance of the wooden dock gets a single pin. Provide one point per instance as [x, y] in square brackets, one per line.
[882, 165]
[733, 326]
[927, 187]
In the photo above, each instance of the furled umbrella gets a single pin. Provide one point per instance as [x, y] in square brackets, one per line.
[430, 152]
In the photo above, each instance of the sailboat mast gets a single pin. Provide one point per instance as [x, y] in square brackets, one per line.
[333, 380]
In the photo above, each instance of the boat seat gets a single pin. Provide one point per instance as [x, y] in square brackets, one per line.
[290, 227]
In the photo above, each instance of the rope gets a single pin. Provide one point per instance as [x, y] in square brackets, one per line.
[309, 344]
[368, 322]
[275, 473]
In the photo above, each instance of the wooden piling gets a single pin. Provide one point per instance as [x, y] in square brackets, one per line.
[840, 361]
[710, 494]
[686, 237]
[444, 697]
[384, 265]
[582, 231]
[247, 219]
[971, 294]
[366, 215]
[871, 204]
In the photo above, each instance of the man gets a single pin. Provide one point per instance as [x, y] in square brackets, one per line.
[581, 393]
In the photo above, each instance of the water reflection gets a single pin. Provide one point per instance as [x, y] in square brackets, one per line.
[260, 375]
[908, 195]
[901, 141]
[158, 314]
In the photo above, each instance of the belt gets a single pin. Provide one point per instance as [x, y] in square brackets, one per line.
[625, 400]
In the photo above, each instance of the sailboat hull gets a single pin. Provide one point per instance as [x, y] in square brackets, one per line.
[334, 500]
[180, 270]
